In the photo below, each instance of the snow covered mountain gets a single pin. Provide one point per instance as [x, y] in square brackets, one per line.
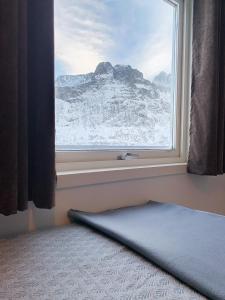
[113, 106]
[163, 80]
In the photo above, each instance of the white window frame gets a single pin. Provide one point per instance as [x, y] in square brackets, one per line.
[107, 159]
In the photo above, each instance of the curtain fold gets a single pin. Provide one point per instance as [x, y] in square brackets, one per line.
[207, 128]
[27, 131]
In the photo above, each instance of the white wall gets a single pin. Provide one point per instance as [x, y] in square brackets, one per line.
[199, 192]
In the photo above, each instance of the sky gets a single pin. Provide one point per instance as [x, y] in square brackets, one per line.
[131, 32]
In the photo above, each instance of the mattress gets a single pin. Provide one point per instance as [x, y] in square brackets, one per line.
[77, 263]
[187, 243]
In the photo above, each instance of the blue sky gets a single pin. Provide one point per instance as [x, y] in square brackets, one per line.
[135, 32]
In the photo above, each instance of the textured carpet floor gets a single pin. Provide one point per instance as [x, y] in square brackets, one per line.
[74, 262]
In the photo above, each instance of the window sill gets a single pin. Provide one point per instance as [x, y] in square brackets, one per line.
[72, 179]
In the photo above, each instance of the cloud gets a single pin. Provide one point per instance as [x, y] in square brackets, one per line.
[90, 31]
[154, 47]
[156, 55]
[81, 35]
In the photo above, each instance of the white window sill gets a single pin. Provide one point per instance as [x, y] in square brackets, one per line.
[72, 179]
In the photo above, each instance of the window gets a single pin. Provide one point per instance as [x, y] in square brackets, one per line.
[120, 69]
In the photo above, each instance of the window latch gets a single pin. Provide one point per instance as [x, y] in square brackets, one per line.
[127, 156]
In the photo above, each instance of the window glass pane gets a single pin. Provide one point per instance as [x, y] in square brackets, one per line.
[114, 73]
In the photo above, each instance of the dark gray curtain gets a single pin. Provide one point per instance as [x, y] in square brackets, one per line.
[27, 153]
[207, 134]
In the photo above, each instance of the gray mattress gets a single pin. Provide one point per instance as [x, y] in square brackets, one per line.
[74, 262]
[188, 244]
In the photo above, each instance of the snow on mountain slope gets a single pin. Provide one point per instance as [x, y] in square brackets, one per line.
[114, 106]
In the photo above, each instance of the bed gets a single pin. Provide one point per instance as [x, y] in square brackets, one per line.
[76, 262]
[188, 244]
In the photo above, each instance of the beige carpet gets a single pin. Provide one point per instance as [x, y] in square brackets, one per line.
[73, 262]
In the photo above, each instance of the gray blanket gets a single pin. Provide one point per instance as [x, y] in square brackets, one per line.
[189, 244]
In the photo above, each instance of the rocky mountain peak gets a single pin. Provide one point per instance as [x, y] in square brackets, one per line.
[163, 79]
[104, 68]
[127, 73]
[120, 72]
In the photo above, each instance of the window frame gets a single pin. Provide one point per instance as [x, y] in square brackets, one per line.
[75, 160]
